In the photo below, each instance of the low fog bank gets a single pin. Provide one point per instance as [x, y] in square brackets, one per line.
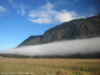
[83, 46]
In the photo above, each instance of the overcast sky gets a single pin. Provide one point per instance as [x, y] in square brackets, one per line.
[20, 19]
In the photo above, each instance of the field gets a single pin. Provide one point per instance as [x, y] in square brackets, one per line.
[29, 66]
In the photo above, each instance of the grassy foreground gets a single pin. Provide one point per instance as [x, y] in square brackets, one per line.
[29, 66]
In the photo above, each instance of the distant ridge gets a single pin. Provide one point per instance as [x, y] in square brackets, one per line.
[75, 29]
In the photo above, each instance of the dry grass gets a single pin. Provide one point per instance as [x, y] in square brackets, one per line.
[28, 66]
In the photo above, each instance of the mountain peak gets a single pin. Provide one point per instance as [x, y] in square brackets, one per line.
[78, 28]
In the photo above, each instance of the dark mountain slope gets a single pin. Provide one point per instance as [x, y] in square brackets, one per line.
[32, 40]
[79, 28]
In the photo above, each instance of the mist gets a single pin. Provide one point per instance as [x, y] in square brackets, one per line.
[65, 47]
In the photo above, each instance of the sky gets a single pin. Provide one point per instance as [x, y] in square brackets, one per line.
[20, 19]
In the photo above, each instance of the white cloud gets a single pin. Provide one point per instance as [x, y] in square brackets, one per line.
[21, 12]
[47, 14]
[22, 9]
[66, 2]
[41, 20]
[12, 3]
[2, 9]
[65, 16]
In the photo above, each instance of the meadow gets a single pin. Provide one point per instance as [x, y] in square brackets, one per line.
[32, 66]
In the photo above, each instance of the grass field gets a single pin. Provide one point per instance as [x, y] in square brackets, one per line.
[29, 66]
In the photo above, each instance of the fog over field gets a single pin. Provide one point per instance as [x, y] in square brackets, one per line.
[81, 46]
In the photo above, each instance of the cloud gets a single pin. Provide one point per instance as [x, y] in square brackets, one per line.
[21, 12]
[22, 9]
[83, 46]
[47, 14]
[2, 9]
[12, 3]
[65, 16]
[66, 2]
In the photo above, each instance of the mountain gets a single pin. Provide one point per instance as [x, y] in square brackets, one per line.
[75, 29]
[32, 40]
